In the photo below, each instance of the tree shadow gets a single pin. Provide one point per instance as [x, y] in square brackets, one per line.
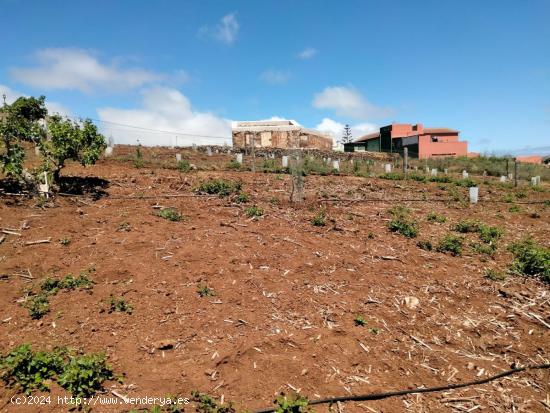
[84, 185]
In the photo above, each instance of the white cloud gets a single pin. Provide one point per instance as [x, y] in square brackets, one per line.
[168, 110]
[77, 69]
[307, 53]
[347, 102]
[275, 77]
[225, 31]
[53, 107]
[336, 129]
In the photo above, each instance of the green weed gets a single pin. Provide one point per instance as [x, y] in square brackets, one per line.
[531, 259]
[433, 217]
[451, 244]
[320, 219]
[170, 214]
[119, 305]
[219, 187]
[253, 211]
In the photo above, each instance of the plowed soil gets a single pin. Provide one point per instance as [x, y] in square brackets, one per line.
[286, 292]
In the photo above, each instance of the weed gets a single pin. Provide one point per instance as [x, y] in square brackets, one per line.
[65, 241]
[425, 245]
[489, 234]
[401, 222]
[124, 227]
[295, 404]
[371, 235]
[465, 182]
[208, 404]
[418, 178]
[509, 198]
[494, 275]
[52, 286]
[274, 201]
[466, 226]
[138, 158]
[219, 187]
[253, 211]
[320, 219]
[374, 330]
[514, 208]
[205, 291]
[521, 194]
[443, 179]
[452, 244]
[399, 210]
[183, 165]
[242, 198]
[38, 306]
[360, 321]
[433, 217]
[82, 375]
[30, 370]
[487, 249]
[119, 305]
[170, 214]
[546, 203]
[531, 259]
[392, 176]
[234, 165]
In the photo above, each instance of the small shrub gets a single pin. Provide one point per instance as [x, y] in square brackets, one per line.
[433, 217]
[360, 321]
[295, 404]
[64, 241]
[442, 179]
[320, 219]
[30, 370]
[183, 165]
[119, 305]
[219, 187]
[494, 275]
[38, 306]
[451, 244]
[138, 159]
[489, 234]
[242, 198]
[53, 285]
[531, 259]
[234, 165]
[466, 226]
[466, 182]
[392, 176]
[83, 375]
[404, 227]
[205, 291]
[208, 404]
[509, 198]
[487, 249]
[253, 211]
[170, 214]
[418, 178]
[425, 245]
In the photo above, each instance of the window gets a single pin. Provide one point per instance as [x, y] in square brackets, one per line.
[435, 139]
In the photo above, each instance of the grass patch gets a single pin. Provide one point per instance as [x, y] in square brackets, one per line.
[450, 244]
[392, 176]
[466, 183]
[531, 259]
[443, 179]
[171, 214]
[418, 178]
[183, 165]
[494, 275]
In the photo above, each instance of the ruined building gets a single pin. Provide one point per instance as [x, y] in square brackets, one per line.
[278, 134]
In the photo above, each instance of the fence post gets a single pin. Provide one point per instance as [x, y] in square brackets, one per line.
[253, 153]
[515, 172]
[405, 160]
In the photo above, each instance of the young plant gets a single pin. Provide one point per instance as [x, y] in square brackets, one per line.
[84, 374]
[234, 165]
[466, 226]
[392, 176]
[293, 404]
[65, 241]
[433, 217]
[208, 404]
[531, 259]
[451, 244]
[183, 165]
[320, 219]
[138, 158]
[360, 321]
[170, 214]
[425, 245]
[494, 275]
[242, 198]
[119, 305]
[38, 306]
[205, 291]
[219, 187]
[253, 211]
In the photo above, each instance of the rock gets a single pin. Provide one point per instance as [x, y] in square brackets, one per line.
[411, 302]
[165, 344]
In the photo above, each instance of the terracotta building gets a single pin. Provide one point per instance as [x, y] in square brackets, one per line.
[421, 142]
[278, 134]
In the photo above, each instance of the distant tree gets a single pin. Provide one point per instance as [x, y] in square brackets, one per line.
[346, 136]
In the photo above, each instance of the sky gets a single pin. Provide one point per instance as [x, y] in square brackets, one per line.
[180, 72]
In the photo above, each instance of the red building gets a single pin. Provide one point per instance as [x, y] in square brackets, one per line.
[421, 142]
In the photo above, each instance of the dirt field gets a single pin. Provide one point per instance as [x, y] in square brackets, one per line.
[286, 292]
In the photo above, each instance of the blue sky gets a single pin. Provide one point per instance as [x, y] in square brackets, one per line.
[482, 67]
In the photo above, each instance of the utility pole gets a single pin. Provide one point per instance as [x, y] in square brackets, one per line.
[405, 160]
